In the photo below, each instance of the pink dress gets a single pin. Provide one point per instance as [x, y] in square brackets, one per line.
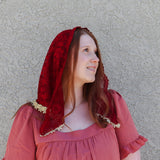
[92, 143]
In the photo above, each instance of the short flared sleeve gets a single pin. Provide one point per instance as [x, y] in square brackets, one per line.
[20, 143]
[128, 138]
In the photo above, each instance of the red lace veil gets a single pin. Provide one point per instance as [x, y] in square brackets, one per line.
[50, 94]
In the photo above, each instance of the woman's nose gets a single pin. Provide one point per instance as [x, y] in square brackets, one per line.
[95, 59]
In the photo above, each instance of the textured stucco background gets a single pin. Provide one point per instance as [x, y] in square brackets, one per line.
[128, 32]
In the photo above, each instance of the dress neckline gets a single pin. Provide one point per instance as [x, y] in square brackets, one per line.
[77, 135]
[79, 130]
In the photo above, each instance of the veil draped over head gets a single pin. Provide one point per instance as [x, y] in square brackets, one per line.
[50, 94]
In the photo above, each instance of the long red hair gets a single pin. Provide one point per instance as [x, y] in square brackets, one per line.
[91, 91]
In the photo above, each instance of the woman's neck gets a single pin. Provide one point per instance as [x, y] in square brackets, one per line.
[79, 99]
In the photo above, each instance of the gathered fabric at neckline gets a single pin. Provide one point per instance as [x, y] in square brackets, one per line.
[77, 135]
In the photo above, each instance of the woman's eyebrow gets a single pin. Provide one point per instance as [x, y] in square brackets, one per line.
[87, 46]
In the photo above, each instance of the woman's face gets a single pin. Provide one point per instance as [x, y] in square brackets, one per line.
[87, 63]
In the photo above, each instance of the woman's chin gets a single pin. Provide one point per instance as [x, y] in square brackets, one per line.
[91, 80]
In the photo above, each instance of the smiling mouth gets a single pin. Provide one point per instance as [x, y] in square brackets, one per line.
[93, 69]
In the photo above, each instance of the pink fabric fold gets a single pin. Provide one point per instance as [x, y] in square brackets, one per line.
[133, 146]
[91, 143]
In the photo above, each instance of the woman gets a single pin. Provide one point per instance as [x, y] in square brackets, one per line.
[76, 116]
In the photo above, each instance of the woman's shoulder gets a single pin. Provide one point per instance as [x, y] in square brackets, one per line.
[117, 97]
[27, 110]
[122, 110]
[115, 93]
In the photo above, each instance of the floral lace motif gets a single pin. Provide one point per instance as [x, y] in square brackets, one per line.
[43, 109]
[109, 121]
[56, 129]
[39, 107]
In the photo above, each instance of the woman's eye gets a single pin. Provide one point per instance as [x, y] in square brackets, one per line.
[86, 49]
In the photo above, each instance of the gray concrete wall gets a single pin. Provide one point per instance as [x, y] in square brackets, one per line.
[128, 32]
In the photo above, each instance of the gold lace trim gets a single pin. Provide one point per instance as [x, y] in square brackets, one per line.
[109, 121]
[39, 107]
[43, 109]
[56, 129]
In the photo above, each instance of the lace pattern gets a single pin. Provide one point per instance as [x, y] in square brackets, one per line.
[39, 107]
[43, 109]
[109, 121]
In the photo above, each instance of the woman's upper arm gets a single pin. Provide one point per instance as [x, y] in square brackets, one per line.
[21, 144]
[128, 138]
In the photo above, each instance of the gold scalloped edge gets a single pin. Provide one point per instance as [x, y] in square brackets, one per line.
[109, 121]
[39, 107]
[56, 129]
[43, 109]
